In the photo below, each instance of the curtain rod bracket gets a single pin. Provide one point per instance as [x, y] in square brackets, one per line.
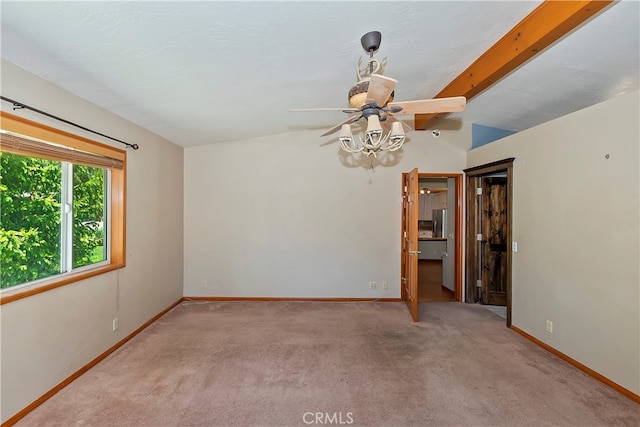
[19, 106]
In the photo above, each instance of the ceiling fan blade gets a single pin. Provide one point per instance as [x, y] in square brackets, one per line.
[436, 105]
[352, 118]
[346, 110]
[380, 87]
[391, 119]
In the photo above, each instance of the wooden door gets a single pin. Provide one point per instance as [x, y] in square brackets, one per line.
[494, 240]
[411, 244]
[403, 236]
[448, 258]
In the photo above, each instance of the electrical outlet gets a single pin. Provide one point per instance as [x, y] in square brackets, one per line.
[549, 326]
[115, 324]
[385, 285]
[373, 285]
[514, 246]
[204, 284]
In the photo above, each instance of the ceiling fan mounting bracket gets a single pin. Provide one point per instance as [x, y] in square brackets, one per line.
[371, 41]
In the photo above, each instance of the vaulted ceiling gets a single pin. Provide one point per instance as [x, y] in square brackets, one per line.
[201, 72]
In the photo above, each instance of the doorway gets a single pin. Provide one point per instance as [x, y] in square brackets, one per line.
[488, 240]
[430, 282]
[436, 231]
[431, 267]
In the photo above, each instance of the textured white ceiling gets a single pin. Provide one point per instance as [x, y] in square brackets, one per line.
[211, 71]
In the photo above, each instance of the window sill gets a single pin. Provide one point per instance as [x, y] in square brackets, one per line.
[10, 295]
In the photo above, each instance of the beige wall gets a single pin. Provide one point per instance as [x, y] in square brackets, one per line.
[49, 336]
[576, 221]
[282, 216]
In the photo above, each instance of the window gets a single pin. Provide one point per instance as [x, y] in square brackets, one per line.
[62, 208]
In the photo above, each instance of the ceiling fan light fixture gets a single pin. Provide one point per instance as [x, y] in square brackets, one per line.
[374, 139]
[374, 129]
[397, 134]
[345, 134]
[347, 142]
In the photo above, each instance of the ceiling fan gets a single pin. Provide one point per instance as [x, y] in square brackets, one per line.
[372, 99]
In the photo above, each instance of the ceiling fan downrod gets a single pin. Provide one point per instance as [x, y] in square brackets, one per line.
[371, 43]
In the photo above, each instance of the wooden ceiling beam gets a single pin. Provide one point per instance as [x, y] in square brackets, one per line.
[547, 23]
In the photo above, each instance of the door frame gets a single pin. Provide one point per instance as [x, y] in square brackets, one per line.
[472, 220]
[459, 197]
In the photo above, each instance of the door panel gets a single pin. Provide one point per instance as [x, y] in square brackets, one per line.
[403, 237]
[448, 258]
[411, 244]
[494, 241]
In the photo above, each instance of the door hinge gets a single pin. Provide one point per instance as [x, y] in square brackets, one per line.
[405, 234]
[479, 191]
[406, 190]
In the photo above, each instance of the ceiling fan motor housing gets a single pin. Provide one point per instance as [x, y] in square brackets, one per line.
[358, 94]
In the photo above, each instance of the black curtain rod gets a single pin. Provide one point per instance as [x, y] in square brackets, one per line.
[19, 105]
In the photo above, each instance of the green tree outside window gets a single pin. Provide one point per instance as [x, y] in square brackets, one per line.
[31, 212]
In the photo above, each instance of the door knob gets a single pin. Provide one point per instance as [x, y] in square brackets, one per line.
[414, 252]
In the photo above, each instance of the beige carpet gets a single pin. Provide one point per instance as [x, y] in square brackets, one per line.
[500, 310]
[270, 363]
